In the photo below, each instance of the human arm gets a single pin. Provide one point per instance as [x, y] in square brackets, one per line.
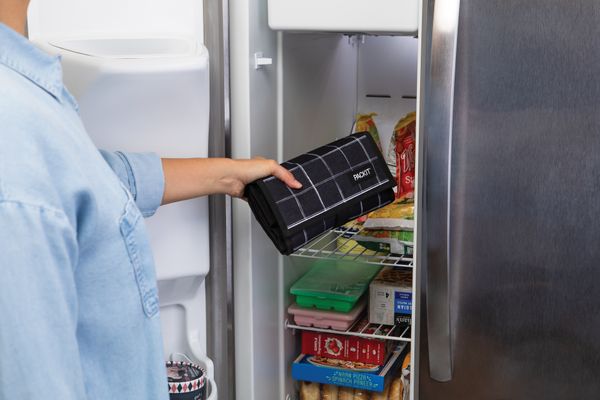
[186, 178]
[153, 181]
[38, 305]
[142, 174]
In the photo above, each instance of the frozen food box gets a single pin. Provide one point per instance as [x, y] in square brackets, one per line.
[327, 319]
[333, 285]
[343, 347]
[390, 296]
[346, 373]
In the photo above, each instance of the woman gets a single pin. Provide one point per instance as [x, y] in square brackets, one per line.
[78, 299]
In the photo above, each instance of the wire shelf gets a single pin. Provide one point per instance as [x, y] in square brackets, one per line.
[338, 244]
[362, 328]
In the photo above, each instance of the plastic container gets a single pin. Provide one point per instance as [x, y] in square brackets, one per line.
[187, 381]
[333, 285]
[327, 319]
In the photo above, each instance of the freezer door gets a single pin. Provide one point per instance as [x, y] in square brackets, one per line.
[511, 203]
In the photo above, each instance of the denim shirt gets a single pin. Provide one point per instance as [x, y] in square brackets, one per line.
[78, 295]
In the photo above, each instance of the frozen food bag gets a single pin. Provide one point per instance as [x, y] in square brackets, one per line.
[396, 389]
[329, 392]
[366, 123]
[405, 377]
[399, 215]
[405, 139]
[383, 395]
[346, 393]
[310, 391]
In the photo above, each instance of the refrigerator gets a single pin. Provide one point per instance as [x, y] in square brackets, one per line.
[504, 295]
[509, 130]
[214, 78]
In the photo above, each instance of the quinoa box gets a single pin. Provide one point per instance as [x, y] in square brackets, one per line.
[390, 296]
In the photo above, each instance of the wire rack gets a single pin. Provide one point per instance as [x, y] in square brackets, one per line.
[340, 244]
[362, 328]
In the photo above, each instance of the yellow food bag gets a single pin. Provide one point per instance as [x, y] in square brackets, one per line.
[366, 123]
[398, 215]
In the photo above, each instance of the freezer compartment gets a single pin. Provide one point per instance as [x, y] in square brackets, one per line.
[321, 97]
[307, 97]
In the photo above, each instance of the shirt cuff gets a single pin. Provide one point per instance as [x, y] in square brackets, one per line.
[146, 180]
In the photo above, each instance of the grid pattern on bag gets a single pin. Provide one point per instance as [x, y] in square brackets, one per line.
[309, 233]
[325, 174]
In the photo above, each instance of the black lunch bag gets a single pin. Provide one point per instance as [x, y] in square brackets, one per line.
[341, 181]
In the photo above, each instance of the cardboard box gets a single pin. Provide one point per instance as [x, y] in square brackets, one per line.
[390, 296]
[345, 373]
[341, 347]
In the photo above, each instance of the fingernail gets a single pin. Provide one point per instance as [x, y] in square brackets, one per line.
[298, 185]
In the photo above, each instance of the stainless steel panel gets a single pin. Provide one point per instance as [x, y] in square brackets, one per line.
[438, 130]
[524, 265]
[219, 281]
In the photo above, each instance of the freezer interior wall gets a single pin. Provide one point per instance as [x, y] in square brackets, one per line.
[324, 80]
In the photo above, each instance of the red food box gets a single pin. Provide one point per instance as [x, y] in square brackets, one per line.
[349, 348]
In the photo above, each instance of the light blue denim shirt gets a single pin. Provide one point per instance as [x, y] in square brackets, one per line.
[78, 296]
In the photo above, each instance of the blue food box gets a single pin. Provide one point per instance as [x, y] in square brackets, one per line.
[346, 373]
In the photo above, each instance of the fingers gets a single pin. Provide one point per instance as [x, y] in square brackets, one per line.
[284, 175]
[287, 177]
[259, 167]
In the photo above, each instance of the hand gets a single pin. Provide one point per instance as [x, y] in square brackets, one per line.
[246, 171]
[187, 178]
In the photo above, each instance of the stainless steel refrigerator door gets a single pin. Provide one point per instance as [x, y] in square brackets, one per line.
[523, 206]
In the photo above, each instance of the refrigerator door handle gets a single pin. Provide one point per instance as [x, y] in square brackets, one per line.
[437, 130]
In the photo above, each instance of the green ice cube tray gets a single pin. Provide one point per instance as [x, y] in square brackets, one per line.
[333, 285]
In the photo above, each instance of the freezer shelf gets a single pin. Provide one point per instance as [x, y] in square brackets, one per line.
[337, 245]
[399, 333]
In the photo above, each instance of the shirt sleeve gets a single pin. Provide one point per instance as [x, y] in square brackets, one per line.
[142, 174]
[38, 305]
